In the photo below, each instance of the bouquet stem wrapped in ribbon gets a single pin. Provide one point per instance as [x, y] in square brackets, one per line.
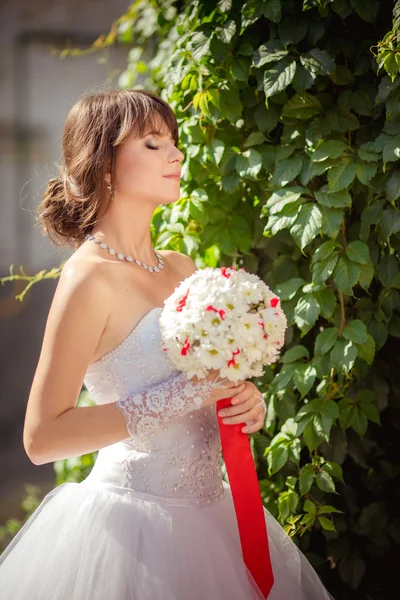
[229, 320]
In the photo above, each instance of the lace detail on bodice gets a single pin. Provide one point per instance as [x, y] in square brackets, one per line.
[173, 454]
[146, 411]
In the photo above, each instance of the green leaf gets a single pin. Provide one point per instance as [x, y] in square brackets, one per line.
[365, 171]
[288, 289]
[318, 62]
[304, 377]
[306, 312]
[306, 479]
[200, 45]
[342, 120]
[331, 221]
[230, 182]
[217, 150]
[327, 301]
[329, 149]
[343, 355]
[356, 331]
[249, 163]
[224, 5]
[276, 458]
[391, 148]
[392, 186]
[293, 29]
[324, 269]
[342, 76]
[361, 103]
[334, 469]
[371, 215]
[310, 507]
[327, 509]
[270, 52]
[255, 139]
[302, 80]
[279, 199]
[346, 275]
[295, 354]
[302, 107]
[272, 10]
[366, 276]
[326, 524]
[358, 252]
[307, 225]
[240, 68]
[342, 176]
[226, 32]
[326, 340]
[388, 272]
[330, 199]
[366, 10]
[311, 438]
[324, 481]
[366, 351]
[390, 223]
[325, 250]
[278, 78]
[286, 171]
[371, 412]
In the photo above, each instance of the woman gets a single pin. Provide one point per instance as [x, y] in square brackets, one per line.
[154, 519]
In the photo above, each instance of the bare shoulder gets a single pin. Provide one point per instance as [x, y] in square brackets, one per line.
[183, 263]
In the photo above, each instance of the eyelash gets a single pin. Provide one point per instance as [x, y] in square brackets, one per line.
[156, 147]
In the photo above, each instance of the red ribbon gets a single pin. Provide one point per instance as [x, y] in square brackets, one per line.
[247, 500]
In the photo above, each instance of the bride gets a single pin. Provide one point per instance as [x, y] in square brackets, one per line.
[154, 520]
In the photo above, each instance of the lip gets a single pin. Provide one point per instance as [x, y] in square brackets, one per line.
[176, 176]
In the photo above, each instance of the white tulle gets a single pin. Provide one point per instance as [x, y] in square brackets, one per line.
[152, 521]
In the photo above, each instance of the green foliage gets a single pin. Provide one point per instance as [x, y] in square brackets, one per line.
[291, 140]
[291, 134]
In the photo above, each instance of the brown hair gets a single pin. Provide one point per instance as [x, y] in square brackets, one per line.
[96, 125]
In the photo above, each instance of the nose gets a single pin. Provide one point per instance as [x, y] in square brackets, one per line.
[177, 155]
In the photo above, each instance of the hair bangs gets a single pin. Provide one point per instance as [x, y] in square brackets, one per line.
[142, 114]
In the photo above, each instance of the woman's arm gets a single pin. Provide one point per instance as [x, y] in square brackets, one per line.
[53, 426]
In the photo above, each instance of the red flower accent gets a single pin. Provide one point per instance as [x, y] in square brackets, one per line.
[224, 272]
[220, 311]
[274, 302]
[186, 347]
[182, 302]
[232, 362]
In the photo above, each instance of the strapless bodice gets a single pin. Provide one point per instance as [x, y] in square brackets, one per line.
[180, 462]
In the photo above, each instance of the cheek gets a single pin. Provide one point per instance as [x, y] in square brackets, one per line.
[135, 169]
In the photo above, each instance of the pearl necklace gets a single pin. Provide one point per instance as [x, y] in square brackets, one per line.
[121, 256]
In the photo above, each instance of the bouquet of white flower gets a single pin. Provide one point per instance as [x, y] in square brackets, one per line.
[223, 319]
[229, 320]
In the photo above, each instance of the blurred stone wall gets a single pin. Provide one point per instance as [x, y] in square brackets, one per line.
[37, 90]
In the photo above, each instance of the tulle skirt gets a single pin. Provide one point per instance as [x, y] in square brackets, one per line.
[93, 541]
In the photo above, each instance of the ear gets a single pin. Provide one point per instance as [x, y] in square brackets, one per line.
[107, 178]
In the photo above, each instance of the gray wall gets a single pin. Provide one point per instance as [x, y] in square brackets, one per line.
[37, 90]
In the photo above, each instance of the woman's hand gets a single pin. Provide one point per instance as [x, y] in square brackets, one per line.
[248, 406]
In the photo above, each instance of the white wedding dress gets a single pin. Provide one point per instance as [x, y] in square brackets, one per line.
[154, 520]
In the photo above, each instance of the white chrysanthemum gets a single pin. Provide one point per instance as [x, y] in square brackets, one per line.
[225, 320]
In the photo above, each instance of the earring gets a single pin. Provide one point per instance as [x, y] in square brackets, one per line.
[109, 187]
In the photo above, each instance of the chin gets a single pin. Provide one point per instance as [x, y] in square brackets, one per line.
[168, 200]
